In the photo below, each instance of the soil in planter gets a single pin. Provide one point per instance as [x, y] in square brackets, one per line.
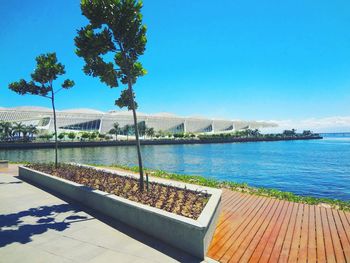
[180, 201]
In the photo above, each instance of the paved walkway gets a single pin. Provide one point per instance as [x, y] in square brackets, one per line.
[36, 226]
[259, 229]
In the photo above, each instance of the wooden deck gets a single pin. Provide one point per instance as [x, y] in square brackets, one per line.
[260, 229]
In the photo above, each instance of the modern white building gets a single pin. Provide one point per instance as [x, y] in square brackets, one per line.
[93, 120]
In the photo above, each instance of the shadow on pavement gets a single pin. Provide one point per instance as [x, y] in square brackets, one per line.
[14, 229]
[162, 247]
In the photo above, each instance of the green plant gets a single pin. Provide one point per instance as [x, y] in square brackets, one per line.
[150, 132]
[47, 70]
[71, 135]
[93, 135]
[115, 30]
[61, 135]
[241, 187]
[85, 135]
[115, 130]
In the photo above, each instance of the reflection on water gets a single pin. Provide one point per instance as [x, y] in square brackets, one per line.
[318, 168]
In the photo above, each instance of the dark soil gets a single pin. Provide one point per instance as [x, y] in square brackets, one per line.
[179, 201]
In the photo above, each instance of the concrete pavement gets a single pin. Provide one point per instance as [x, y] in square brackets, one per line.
[37, 226]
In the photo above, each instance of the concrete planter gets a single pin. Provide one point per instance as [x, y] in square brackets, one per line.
[192, 236]
[4, 163]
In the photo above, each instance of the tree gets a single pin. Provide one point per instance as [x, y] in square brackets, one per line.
[127, 130]
[6, 129]
[71, 135]
[85, 135]
[47, 70]
[115, 130]
[93, 136]
[31, 129]
[115, 29]
[18, 128]
[142, 128]
[101, 136]
[150, 132]
[61, 135]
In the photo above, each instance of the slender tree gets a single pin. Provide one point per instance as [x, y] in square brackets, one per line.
[127, 131]
[142, 128]
[46, 72]
[115, 130]
[115, 30]
[150, 132]
[32, 129]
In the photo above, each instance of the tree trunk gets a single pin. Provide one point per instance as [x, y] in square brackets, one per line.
[137, 136]
[55, 126]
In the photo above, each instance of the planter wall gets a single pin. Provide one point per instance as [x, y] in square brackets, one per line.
[4, 163]
[192, 236]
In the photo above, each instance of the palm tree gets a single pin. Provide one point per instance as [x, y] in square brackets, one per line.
[115, 130]
[6, 129]
[32, 130]
[18, 128]
[127, 130]
[150, 132]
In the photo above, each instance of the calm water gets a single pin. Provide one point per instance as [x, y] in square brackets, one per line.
[319, 168]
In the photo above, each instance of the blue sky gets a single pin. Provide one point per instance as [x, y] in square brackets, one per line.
[237, 59]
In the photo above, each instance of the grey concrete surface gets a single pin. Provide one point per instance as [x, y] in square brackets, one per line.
[37, 226]
[191, 236]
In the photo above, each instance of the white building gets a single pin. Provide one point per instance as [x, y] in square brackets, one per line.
[93, 120]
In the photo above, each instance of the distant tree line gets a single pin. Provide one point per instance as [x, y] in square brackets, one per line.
[17, 131]
[255, 133]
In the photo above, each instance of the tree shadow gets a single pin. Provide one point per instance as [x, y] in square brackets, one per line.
[146, 239]
[46, 220]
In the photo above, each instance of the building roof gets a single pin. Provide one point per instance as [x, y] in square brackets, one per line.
[83, 110]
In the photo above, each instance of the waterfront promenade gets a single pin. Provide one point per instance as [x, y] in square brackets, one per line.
[260, 229]
[37, 226]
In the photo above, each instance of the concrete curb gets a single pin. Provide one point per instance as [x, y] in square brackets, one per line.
[192, 236]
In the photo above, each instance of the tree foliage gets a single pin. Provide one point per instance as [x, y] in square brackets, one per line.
[47, 70]
[115, 27]
[111, 45]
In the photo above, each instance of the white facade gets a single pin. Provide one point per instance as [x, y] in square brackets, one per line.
[93, 120]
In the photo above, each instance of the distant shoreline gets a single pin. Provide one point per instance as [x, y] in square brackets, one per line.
[79, 144]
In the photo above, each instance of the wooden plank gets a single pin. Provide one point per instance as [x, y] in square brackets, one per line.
[236, 225]
[229, 197]
[256, 214]
[231, 224]
[302, 253]
[259, 229]
[345, 223]
[237, 206]
[225, 220]
[342, 235]
[235, 217]
[247, 247]
[321, 251]
[249, 232]
[294, 249]
[267, 242]
[281, 235]
[311, 252]
[330, 255]
[289, 235]
[339, 254]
